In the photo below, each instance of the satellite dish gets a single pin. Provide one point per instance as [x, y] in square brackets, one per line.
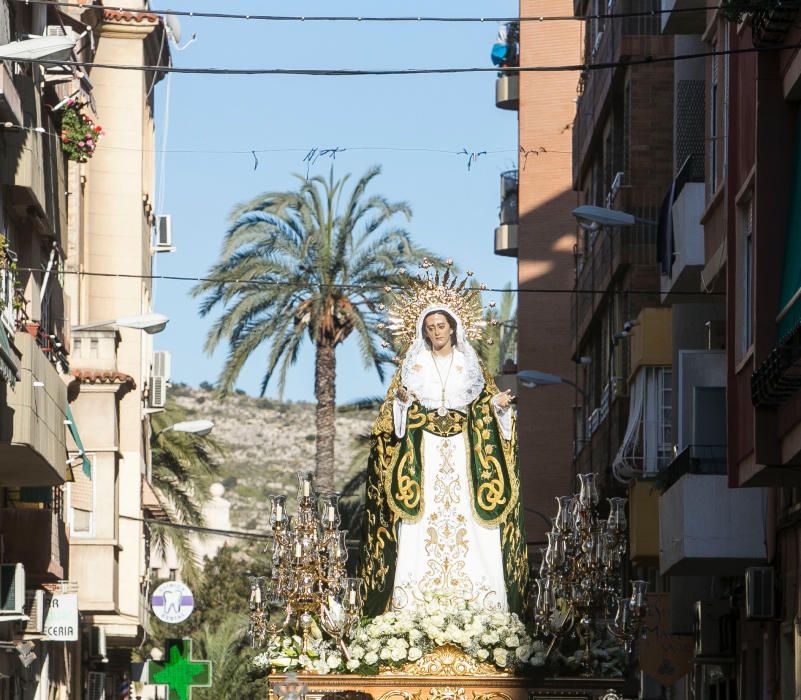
[173, 28]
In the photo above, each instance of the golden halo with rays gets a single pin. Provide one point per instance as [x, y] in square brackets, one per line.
[429, 289]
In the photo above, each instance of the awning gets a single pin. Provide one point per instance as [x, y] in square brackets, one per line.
[9, 371]
[790, 298]
[87, 465]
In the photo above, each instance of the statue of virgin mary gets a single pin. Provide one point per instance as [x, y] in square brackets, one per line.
[443, 513]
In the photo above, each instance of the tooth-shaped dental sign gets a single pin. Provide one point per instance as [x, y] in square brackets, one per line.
[172, 601]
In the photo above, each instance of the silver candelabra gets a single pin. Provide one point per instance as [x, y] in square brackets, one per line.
[579, 588]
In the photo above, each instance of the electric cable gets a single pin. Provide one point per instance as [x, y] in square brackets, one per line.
[744, 7]
[363, 287]
[359, 72]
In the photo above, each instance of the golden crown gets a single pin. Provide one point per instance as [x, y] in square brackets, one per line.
[431, 289]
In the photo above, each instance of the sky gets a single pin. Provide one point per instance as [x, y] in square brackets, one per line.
[376, 119]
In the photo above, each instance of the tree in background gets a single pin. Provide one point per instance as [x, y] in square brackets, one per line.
[184, 466]
[308, 262]
[503, 333]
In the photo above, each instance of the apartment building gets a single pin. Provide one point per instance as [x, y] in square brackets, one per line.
[688, 318]
[111, 233]
[74, 377]
[536, 227]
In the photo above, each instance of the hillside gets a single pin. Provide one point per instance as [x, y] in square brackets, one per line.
[266, 442]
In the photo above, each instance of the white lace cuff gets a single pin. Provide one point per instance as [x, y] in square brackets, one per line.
[399, 410]
[504, 416]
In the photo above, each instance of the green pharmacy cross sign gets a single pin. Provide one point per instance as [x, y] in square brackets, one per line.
[179, 671]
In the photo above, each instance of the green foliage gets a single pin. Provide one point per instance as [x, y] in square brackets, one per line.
[283, 257]
[184, 466]
[79, 133]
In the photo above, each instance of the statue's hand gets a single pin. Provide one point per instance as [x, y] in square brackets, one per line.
[503, 400]
[402, 395]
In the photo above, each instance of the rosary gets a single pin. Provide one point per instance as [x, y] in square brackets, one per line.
[442, 411]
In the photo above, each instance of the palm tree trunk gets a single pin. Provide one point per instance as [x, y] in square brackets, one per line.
[325, 373]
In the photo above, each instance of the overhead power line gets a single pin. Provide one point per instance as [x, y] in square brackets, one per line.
[359, 287]
[354, 72]
[397, 19]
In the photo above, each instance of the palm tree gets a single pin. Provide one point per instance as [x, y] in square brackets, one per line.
[184, 465]
[222, 645]
[301, 263]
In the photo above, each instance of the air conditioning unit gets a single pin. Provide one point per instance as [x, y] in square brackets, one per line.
[96, 686]
[162, 364]
[157, 395]
[714, 629]
[57, 73]
[35, 609]
[12, 589]
[760, 593]
[97, 643]
[163, 234]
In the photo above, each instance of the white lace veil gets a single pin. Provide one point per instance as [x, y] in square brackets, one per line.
[473, 377]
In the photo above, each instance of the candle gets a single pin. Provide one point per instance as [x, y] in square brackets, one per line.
[257, 594]
[331, 515]
[298, 550]
[352, 597]
[307, 487]
[279, 512]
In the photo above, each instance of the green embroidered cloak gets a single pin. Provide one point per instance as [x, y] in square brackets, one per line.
[395, 490]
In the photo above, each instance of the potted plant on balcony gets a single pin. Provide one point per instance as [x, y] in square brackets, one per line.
[10, 297]
[79, 133]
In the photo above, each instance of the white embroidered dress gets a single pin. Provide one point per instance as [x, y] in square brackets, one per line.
[448, 550]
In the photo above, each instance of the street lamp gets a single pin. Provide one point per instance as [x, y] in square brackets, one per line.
[196, 427]
[592, 218]
[149, 323]
[531, 378]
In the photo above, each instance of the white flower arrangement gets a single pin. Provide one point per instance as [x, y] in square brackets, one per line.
[397, 638]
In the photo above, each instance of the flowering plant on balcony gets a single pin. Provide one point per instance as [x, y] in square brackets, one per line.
[79, 133]
[11, 300]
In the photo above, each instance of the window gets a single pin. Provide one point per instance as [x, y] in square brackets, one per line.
[81, 496]
[647, 446]
[745, 274]
[713, 125]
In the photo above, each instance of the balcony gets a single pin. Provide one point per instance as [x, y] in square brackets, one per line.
[37, 538]
[678, 17]
[696, 540]
[506, 54]
[771, 23]
[10, 103]
[507, 91]
[33, 447]
[681, 239]
[609, 251]
[506, 232]
[615, 41]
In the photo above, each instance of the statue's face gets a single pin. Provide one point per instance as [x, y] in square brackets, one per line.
[437, 329]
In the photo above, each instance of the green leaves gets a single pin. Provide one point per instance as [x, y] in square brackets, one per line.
[305, 263]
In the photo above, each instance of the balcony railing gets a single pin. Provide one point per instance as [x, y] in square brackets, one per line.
[606, 47]
[608, 250]
[694, 459]
[779, 375]
[36, 536]
[509, 207]
[770, 23]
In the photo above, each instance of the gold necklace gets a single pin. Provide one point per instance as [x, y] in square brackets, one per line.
[442, 411]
